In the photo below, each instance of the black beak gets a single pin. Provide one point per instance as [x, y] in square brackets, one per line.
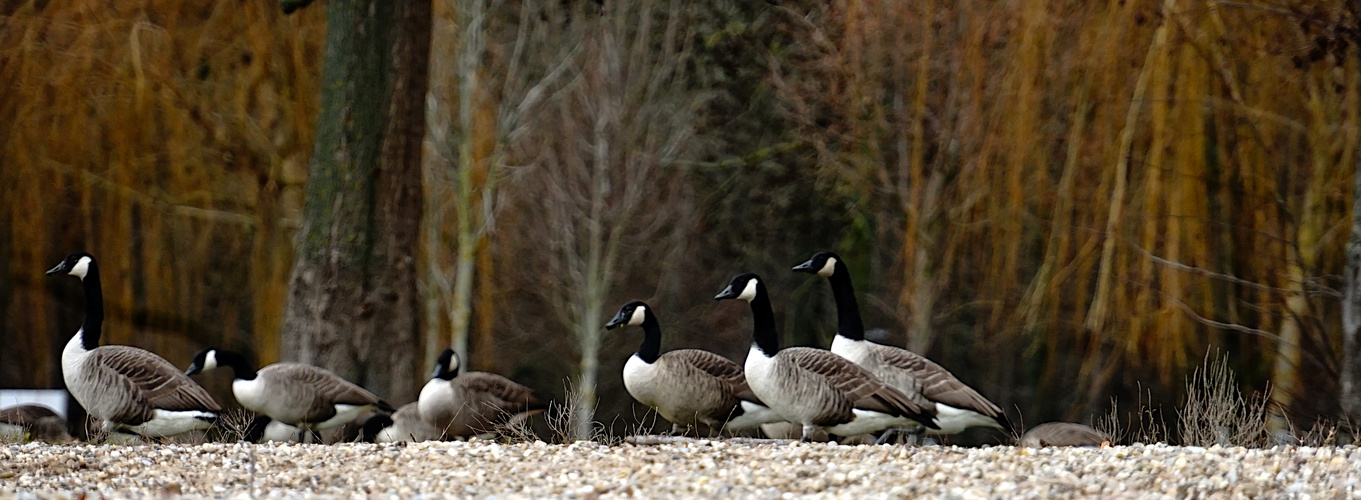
[194, 368]
[618, 320]
[806, 267]
[727, 293]
[439, 368]
[59, 269]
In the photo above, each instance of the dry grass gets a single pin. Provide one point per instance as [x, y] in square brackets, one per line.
[1216, 413]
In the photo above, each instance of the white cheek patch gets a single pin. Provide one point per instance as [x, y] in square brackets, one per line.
[210, 361]
[82, 266]
[749, 292]
[639, 314]
[828, 268]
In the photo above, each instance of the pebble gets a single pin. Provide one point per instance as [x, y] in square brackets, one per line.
[673, 467]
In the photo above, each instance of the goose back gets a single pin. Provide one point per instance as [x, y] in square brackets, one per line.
[127, 387]
[916, 375]
[407, 425]
[1063, 434]
[688, 386]
[304, 395]
[32, 422]
[475, 403]
[817, 387]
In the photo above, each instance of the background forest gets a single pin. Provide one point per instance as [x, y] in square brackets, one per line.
[1063, 202]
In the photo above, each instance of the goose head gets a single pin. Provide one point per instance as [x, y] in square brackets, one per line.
[204, 361]
[822, 264]
[76, 264]
[446, 366]
[744, 286]
[632, 314]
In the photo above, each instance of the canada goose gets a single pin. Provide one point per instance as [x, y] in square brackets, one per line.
[687, 386]
[475, 402]
[406, 425]
[265, 429]
[813, 387]
[364, 428]
[1063, 434]
[958, 406]
[32, 422]
[126, 388]
[308, 397]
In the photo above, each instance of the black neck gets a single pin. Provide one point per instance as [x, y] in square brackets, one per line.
[241, 369]
[847, 311]
[94, 308]
[763, 333]
[651, 348]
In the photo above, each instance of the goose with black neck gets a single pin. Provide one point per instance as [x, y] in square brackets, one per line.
[310, 398]
[129, 390]
[814, 388]
[957, 405]
[687, 387]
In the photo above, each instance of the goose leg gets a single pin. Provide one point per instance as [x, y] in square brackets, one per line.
[888, 436]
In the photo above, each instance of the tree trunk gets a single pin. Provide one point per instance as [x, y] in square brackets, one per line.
[352, 294]
[1351, 305]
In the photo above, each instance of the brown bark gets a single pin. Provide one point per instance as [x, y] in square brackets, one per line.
[353, 301]
[1351, 302]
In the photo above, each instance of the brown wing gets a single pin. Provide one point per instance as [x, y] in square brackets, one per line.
[1063, 434]
[150, 378]
[938, 384]
[25, 415]
[858, 385]
[723, 368]
[327, 389]
[518, 398]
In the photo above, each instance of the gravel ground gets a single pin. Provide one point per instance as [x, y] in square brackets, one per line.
[675, 468]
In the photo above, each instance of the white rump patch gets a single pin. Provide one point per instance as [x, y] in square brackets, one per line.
[953, 420]
[172, 423]
[753, 415]
[279, 431]
[749, 291]
[867, 421]
[344, 415]
[828, 268]
[639, 315]
[81, 268]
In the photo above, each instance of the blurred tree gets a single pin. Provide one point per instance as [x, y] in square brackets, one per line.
[480, 105]
[604, 146]
[1351, 305]
[352, 299]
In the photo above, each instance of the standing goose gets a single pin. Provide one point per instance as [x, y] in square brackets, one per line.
[126, 388]
[813, 387]
[957, 405]
[474, 403]
[687, 386]
[32, 422]
[308, 397]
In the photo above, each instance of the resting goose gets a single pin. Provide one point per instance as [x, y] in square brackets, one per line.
[308, 397]
[687, 386]
[813, 387]
[406, 425]
[32, 422]
[957, 405]
[1063, 434]
[473, 403]
[127, 389]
